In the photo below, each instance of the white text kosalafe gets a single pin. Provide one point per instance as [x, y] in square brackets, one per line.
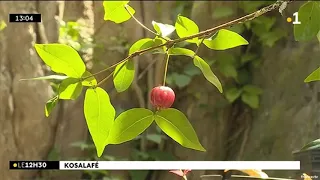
[81, 165]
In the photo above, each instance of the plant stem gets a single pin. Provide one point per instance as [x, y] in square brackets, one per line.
[108, 68]
[140, 23]
[196, 51]
[166, 67]
[202, 34]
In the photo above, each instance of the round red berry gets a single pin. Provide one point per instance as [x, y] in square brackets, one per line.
[162, 97]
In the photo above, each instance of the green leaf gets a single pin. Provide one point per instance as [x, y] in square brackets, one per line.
[129, 125]
[191, 70]
[163, 29]
[250, 6]
[181, 51]
[208, 74]
[186, 27]
[270, 38]
[181, 80]
[233, 94]
[91, 81]
[244, 76]
[252, 89]
[314, 76]
[225, 39]
[50, 77]
[2, 25]
[200, 63]
[308, 14]
[70, 89]
[156, 138]
[222, 12]
[115, 11]
[51, 103]
[250, 99]
[318, 36]
[176, 125]
[99, 114]
[265, 22]
[123, 75]
[312, 145]
[144, 44]
[61, 59]
[228, 70]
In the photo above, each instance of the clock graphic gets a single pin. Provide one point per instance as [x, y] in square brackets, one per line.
[24, 17]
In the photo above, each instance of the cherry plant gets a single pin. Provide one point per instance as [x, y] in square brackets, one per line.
[105, 128]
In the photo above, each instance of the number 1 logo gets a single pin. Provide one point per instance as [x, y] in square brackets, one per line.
[296, 18]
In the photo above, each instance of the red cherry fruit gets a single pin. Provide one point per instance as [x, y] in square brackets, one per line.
[162, 97]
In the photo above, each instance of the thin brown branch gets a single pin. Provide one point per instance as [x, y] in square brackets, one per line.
[203, 34]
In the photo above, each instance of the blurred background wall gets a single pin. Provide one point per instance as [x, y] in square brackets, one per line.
[288, 115]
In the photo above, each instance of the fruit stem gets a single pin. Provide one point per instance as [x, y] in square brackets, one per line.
[141, 24]
[166, 68]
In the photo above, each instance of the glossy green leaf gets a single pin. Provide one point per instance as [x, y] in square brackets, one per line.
[91, 81]
[200, 63]
[225, 39]
[308, 15]
[70, 89]
[50, 77]
[181, 51]
[123, 75]
[61, 59]
[115, 11]
[144, 44]
[186, 27]
[99, 114]
[2, 25]
[312, 145]
[176, 125]
[129, 124]
[314, 76]
[51, 103]
[252, 89]
[233, 94]
[250, 99]
[207, 72]
[163, 29]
